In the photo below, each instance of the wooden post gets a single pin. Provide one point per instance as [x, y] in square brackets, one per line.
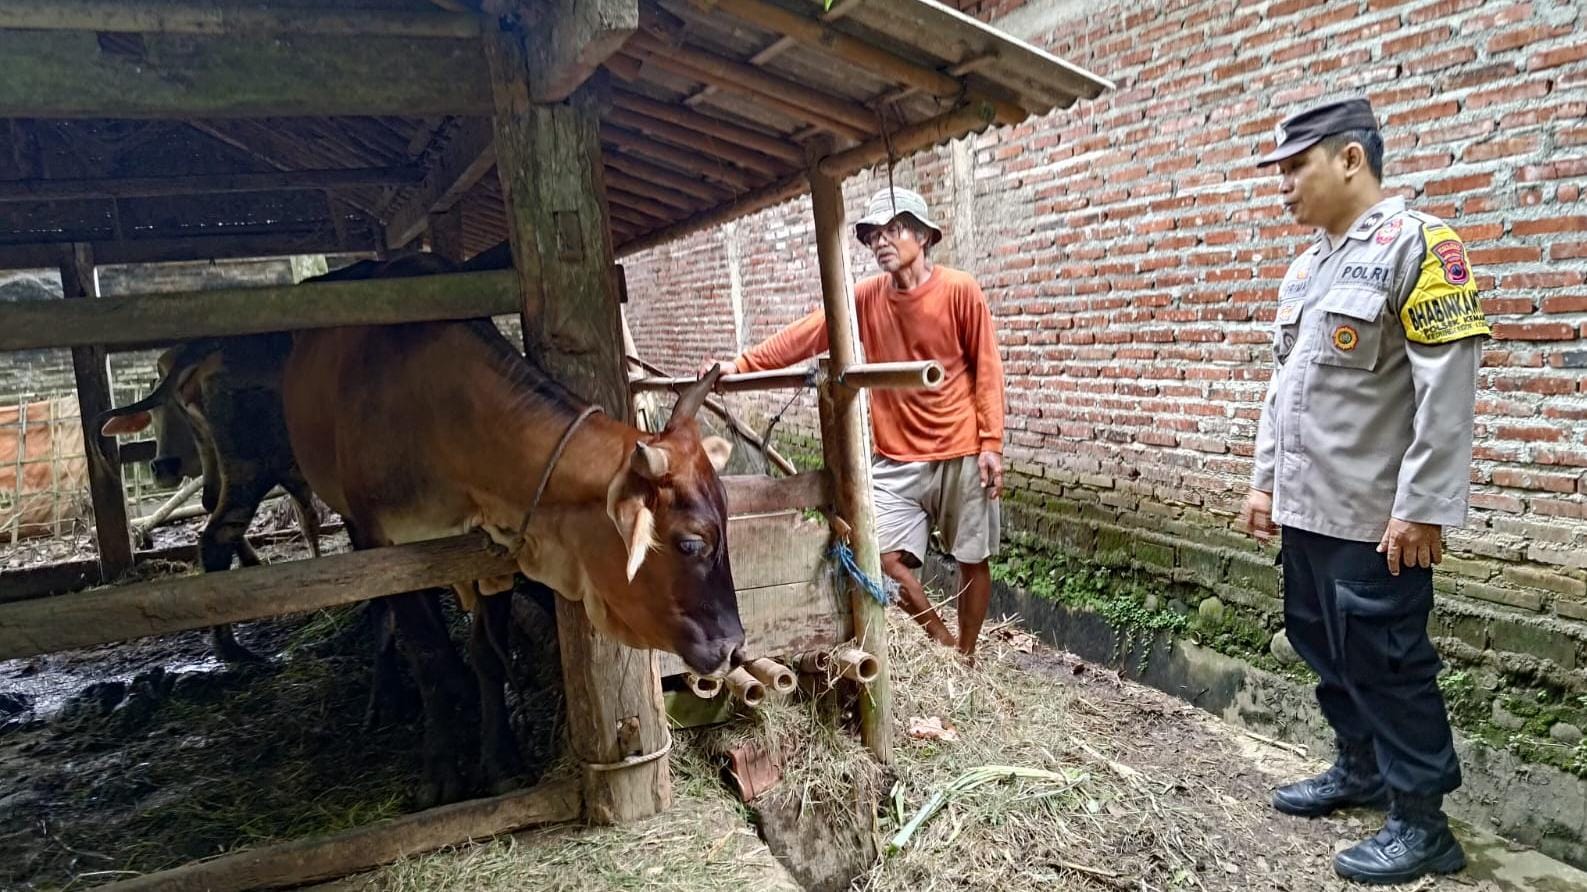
[446, 234]
[92, 369]
[846, 440]
[548, 157]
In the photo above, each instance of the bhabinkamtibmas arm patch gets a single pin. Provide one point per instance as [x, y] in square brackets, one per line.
[1443, 305]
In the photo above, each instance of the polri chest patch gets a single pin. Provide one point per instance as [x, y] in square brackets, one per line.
[1369, 275]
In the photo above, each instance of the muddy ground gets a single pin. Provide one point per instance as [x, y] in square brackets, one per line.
[122, 760]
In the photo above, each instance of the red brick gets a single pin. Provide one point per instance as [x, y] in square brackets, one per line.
[1504, 147]
[1507, 306]
[1549, 224]
[1555, 57]
[1449, 57]
[1468, 183]
[1512, 254]
[1567, 250]
[1507, 93]
[1538, 480]
[1575, 303]
[1530, 434]
[1534, 331]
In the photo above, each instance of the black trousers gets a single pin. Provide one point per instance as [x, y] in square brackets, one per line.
[1364, 632]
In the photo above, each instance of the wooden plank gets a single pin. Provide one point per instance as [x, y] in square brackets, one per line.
[703, 143]
[323, 858]
[202, 247]
[142, 187]
[682, 159]
[65, 74]
[468, 155]
[969, 118]
[781, 620]
[663, 176]
[173, 18]
[154, 318]
[91, 367]
[616, 179]
[163, 606]
[748, 203]
[845, 438]
[776, 549]
[765, 143]
[572, 39]
[759, 494]
[549, 161]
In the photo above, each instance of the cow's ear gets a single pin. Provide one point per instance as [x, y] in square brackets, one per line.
[635, 522]
[718, 450]
[125, 424]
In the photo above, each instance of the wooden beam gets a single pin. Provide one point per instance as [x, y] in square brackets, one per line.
[976, 115]
[616, 179]
[853, 120]
[65, 74]
[245, 21]
[468, 155]
[663, 176]
[828, 39]
[310, 860]
[549, 161]
[748, 203]
[206, 184]
[92, 370]
[183, 603]
[446, 234]
[200, 247]
[759, 494]
[703, 143]
[764, 143]
[643, 206]
[679, 158]
[844, 422]
[572, 38]
[156, 318]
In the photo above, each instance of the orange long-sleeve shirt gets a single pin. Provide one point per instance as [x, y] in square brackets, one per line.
[944, 318]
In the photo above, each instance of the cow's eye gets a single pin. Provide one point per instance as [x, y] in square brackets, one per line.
[693, 546]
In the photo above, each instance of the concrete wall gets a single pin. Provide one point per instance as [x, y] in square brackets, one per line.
[1130, 251]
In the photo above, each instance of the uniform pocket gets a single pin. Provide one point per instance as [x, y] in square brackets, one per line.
[1351, 322]
[1286, 328]
[1384, 627]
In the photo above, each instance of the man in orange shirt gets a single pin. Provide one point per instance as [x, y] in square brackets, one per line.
[939, 452]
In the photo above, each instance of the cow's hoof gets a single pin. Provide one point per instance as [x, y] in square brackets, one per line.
[440, 788]
[501, 785]
[227, 650]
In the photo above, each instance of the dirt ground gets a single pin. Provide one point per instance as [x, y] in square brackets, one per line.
[134, 758]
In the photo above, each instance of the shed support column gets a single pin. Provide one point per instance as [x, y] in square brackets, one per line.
[92, 370]
[549, 160]
[845, 436]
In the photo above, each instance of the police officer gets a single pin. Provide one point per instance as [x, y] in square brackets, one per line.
[1363, 456]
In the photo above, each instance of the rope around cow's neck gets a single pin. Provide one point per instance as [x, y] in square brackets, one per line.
[545, 475]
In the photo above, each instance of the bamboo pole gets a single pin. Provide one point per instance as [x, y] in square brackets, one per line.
[655, 210]
[845, 438]
[777, 678]
[949, 125]
[700, 142]
[679, 158]
[162, 18]
[745, 688]
[764, 143]
[324, 858]
[776, 379]
[926, 375]
[720, 410]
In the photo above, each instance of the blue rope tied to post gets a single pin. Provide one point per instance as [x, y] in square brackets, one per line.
[882, 592]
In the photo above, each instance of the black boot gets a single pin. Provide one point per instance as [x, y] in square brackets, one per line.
[1416, 841]
[1353, 780]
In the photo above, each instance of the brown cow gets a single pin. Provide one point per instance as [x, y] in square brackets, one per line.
[419, 431]
[222, 396]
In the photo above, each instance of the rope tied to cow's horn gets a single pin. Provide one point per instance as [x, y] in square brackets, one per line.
[545, 474]
[631, 761]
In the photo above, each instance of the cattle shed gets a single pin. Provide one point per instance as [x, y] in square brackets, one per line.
[576, 131]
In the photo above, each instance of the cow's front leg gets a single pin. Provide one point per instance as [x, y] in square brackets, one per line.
[225, 536]
[487, 648]
[439, 673]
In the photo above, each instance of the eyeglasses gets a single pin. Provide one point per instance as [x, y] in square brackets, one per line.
[893, 231]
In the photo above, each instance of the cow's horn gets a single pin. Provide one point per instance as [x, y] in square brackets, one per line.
[690, 401]
[649, 462]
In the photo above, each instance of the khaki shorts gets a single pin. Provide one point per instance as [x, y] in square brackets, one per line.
[912, 497]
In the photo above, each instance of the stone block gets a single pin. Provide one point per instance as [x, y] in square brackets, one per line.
[1494, 594]
[1480, 570]
[1534, 640]
[1547, 579]
[1154, 554]
[1570, 609]
[1254, 574]
[1206, 565]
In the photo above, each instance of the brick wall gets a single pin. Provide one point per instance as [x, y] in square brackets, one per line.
[1131, 251]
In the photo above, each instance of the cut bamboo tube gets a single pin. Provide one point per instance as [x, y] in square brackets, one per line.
[857, 665]
[774, 675]
[814, 662]
[706, 687]
[746, 689]
[897, 375]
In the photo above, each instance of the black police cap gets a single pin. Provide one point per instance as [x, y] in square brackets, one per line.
[1302, 131]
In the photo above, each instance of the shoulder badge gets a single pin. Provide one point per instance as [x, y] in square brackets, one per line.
[1443, 306]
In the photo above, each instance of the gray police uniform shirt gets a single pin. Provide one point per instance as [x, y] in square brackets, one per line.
[1369, 412]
